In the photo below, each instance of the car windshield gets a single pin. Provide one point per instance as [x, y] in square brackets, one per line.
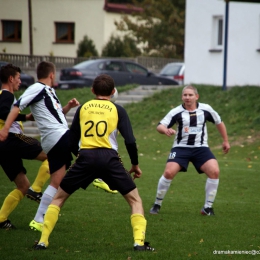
[84, 64]
[171, 69]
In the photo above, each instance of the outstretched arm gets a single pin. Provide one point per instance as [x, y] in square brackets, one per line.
[72, 103]
[223, 131]
[10, 119]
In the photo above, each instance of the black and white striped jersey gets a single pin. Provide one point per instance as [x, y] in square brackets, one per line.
[47, 111]
[191, 126]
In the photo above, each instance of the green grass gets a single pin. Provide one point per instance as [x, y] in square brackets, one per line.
[96, 225]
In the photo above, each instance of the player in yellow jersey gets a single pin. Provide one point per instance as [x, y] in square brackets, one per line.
[95, 125]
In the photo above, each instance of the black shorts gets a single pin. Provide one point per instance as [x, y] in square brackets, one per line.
[98, 163]
[15, 148]
[198, 156]
[60, 154]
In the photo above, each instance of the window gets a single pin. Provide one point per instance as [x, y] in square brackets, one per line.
[133, 68]
[114, 66]
[258, 49]
[217, 33]
[220, 32]
[12, 31]
[65, 32]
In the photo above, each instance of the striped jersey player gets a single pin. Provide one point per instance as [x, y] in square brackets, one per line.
[191, 125]
[191, 145]
[47, 111]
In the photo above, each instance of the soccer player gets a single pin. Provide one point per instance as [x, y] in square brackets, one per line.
[50, 118]
[95, 125]
[190, 145]
[16, 147]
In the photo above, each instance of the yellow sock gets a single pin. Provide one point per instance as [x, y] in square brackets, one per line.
[42, 176]
[138, 223]
[10, 203]
[50, 219]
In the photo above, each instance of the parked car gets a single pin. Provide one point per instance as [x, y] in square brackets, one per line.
[26, 79]
[174, 70]
[122, 71]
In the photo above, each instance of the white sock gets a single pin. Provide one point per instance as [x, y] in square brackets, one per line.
[163, 186]
[211, 192]
[45, 202]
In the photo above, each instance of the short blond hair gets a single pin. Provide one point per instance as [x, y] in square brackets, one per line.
[191, 87]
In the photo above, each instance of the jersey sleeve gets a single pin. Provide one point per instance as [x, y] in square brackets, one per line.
[171, 118]
[6, 102]
[125, 129]
[75, 133]
[30, 96]
[210, 114]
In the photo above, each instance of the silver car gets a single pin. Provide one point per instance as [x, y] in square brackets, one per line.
[174, 70]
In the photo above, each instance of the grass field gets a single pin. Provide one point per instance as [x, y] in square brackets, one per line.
[96, 225]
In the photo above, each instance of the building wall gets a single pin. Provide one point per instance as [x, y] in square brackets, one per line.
[88, 15]
[15, 10]
[109, 26]
[243, 59]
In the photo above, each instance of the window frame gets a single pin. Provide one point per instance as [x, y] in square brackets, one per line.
[136, 69]
[113, 66]
[258, 49]
[217, 34]
[70, 32]
[17, 31]
[220, 34]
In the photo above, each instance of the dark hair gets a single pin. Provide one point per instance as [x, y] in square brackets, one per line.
[44, 69]
[103, 85]
[8, 70]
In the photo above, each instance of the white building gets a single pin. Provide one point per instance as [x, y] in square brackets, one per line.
[204, 43]
[56, 26]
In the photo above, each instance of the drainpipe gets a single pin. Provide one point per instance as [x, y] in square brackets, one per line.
[224, 87]
[30, 27]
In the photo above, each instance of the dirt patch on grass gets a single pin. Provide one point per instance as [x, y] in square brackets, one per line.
[242, 140]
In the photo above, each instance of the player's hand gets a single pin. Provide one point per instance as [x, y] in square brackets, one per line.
[136, 170]
[3, 135]
[225, 147]
[73, 103]
[29, 117]
[169, 132]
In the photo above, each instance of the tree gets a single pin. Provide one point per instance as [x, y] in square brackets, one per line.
[86, 48]
[117, 47]
[160, 27]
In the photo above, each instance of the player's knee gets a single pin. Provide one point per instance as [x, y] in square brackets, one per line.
[169, 174]
[42, 156]
[133, 198]
[23, 187]
[214, 174]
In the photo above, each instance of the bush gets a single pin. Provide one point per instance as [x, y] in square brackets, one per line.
[86, 48]
[117, 47]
